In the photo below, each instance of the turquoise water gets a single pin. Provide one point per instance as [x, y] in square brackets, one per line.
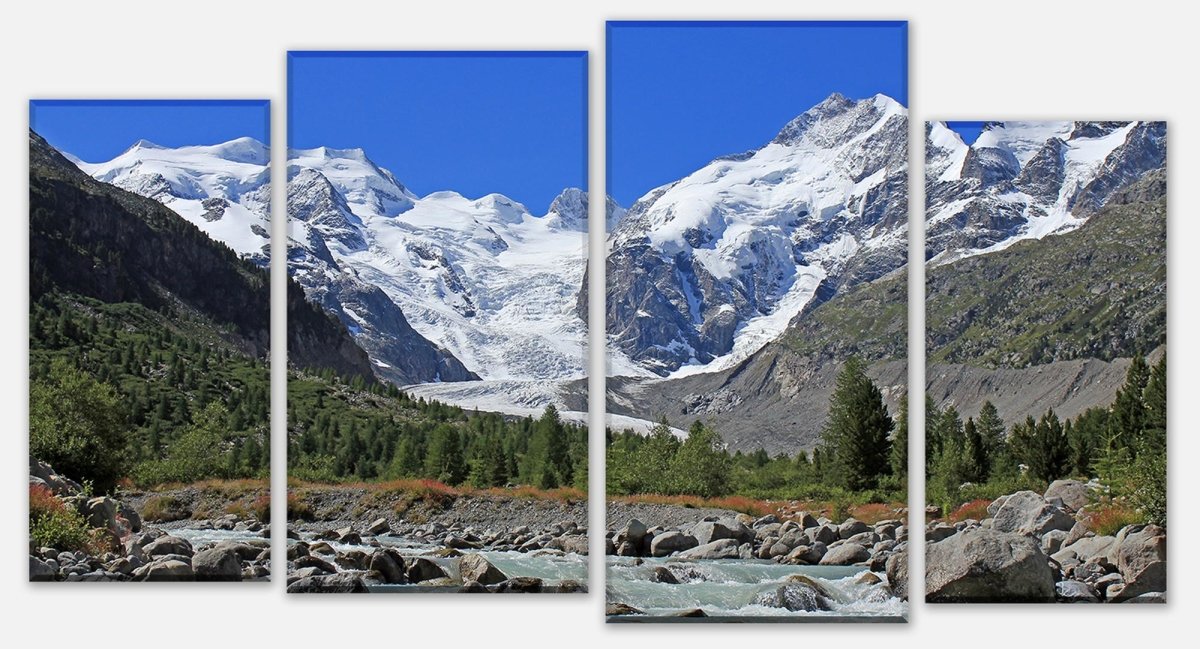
[731, 587]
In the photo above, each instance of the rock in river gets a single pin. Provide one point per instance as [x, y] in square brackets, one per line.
[987, 565]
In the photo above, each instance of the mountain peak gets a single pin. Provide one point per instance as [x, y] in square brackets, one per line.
[831, 107]
[571, 206]
[144, 144]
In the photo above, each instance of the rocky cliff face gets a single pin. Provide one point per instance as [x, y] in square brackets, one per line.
[713, 266]
[319, 213]
[97, 240]
[1026, 180]
[442, 287]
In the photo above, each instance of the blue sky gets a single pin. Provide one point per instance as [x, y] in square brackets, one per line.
[969, 131]
[681, 94]
[471, 122]
[99, 130]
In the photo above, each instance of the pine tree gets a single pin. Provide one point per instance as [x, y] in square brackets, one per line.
[1128, 416]
[653, 461]
[899, 458]
[977, 459]
[1154, 397]
[1050, 450]
[701, 467]
[857, 430]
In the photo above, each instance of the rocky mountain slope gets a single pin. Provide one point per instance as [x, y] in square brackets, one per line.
[441, 287]
[706, 270]
[95, 240]
[1033, 324]
[223, 189]
[1026, 180]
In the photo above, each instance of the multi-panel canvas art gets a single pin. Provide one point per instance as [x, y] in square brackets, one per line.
[149, 323]
[756, 311]
[437, 231]
[1046, 338]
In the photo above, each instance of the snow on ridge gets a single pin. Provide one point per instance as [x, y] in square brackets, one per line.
[223, 189]
[737, 211]
[1083, 158]
[484, 278]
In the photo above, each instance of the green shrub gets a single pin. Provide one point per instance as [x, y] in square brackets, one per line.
[52, 524]
[77, 426]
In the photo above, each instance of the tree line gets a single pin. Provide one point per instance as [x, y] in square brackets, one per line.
[864, 450]
[1124, 445]
[116, 391]
[338, 432]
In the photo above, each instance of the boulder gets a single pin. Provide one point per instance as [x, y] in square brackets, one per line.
[340, 583]
[995, 506]
[389, 564]
[1052, 541]
[826, 534]
[939, 531]
[671, 542]
[570, 543]
[769, 519]
[321, 547]
[868, 579]
[318, 563]
[689, 612]
[567, 586]
[101, 512]
[851, 527]
[165, 570]
[633, 533]
[378, 526]
[353, 560]
[1140, 554]
[519, 585]
[617, 608]
[805, 520]
[1028, 513]
[795, 596]
[722, 549]
[132, 518]
[422, 569]
[164, 545]
[664, 576]
[1074, 592]
[987, 565]
[40, 570]
[476, 567]
[845, 555]
[805, 554]
[1086, 548]
[57, 484]
[217, 564]
[1071, 493]
[245, 551]
[461, 543]
[708, 531]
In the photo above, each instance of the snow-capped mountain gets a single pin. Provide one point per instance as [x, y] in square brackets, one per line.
[485, 280]
[1026, 180]
[223, 189]
[706, 270]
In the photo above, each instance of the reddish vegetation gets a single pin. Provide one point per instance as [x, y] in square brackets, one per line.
[976, 509]
[261, 507]
[42, 501]
[872, 513]
[1109, 517]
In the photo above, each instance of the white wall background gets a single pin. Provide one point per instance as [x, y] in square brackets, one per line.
[1002, 60]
